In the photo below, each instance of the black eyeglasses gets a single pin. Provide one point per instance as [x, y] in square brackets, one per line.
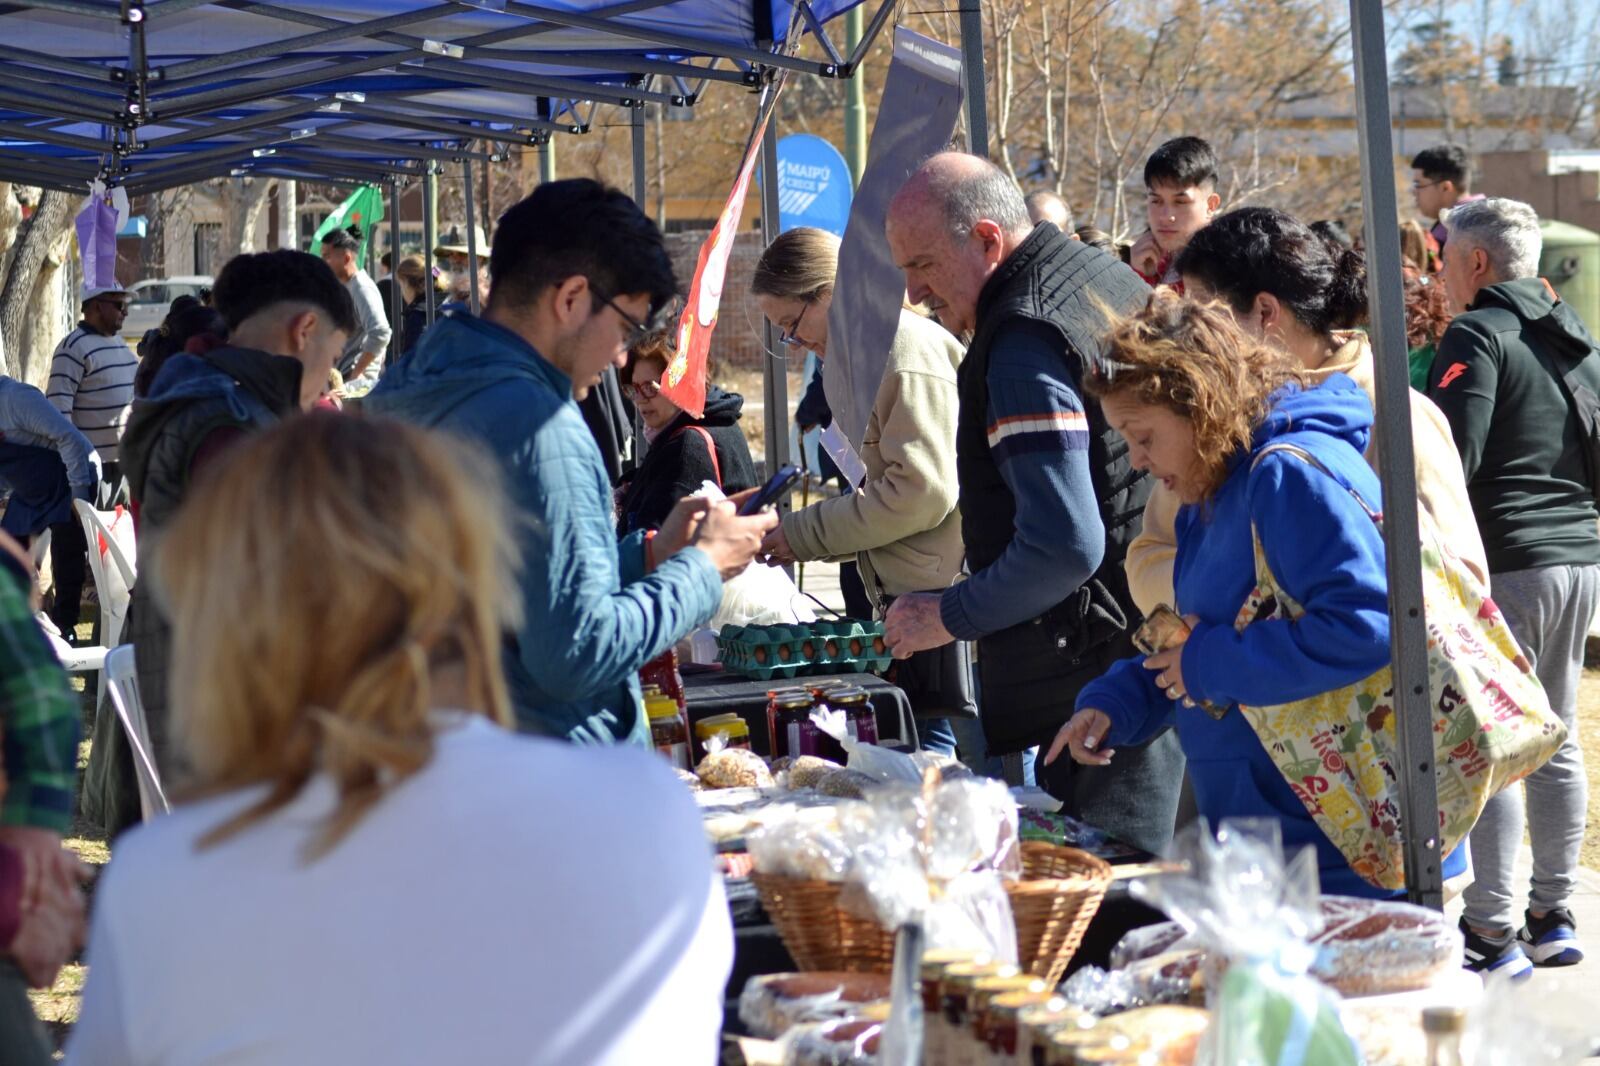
[638, 331]
[788, 336]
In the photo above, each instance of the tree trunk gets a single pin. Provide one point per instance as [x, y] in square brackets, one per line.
[36, 240]
[54, 309]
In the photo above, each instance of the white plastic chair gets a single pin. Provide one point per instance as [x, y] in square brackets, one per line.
[123, 686]
[113, 584]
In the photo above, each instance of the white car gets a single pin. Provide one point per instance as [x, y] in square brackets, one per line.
[149, 300]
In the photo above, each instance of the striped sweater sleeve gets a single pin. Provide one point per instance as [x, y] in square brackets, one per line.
[1039, 438]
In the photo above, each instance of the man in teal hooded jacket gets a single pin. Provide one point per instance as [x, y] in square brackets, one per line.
[576, 272]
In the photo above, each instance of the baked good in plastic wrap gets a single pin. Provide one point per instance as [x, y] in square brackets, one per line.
[1365, 947]
[844, 784]
[807, 771]
[690, 781]
[1169, 1035]
[734, 768]
[1372, 947]
[845, 1042]
[772, 1005]
[803, 842]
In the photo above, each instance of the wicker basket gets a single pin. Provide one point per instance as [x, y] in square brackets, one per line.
[1060, 892]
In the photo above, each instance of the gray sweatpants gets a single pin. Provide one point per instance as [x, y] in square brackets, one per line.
[1549, 611]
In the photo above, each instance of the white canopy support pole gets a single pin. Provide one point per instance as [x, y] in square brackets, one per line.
[430, 236]
[396, 297]
[775, 377]
[472, 234]
[288, 214]
[636, 130]
[1386, 299]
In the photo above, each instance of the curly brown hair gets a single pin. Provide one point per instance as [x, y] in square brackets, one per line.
[1428, 312]
[1194, 359]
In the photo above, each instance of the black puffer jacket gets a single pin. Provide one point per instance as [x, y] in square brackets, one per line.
[679, 461]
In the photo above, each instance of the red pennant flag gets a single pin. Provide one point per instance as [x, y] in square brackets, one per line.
[685, 383]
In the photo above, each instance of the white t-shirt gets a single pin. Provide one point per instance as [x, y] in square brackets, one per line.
[518, 901]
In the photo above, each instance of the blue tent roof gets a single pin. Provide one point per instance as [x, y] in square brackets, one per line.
[155, 93]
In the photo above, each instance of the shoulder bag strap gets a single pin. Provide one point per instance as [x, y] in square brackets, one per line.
[711, 446]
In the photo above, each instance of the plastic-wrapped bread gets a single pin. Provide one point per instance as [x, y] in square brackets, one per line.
[1170, 1035]
[847, 1042]
[690, 781]
[1373, 947]
[845, 784]
[1146, 942]
[734, 768]
[807, 771]
[772, 1005]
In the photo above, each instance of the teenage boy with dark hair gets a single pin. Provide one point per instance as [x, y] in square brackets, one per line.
[288, 320]
[1181, 197]
[577, 274]
[1441, 178]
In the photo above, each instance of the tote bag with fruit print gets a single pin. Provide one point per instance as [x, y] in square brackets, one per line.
[1492, 724]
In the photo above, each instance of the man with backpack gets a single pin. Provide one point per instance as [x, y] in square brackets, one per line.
[1514, 375]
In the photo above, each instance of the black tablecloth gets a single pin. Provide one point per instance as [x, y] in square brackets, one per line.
[716, 692]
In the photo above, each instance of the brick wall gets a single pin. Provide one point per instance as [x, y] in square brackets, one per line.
[735, 343]
[1573, 198]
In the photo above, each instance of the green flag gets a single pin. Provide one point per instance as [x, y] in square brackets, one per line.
[364, 208]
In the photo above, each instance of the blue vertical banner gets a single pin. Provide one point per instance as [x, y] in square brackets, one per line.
[813, 184]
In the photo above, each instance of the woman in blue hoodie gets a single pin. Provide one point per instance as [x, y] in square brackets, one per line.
[1199, 401]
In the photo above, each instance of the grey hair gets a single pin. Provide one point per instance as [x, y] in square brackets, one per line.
[1506, 230]
[988, 193]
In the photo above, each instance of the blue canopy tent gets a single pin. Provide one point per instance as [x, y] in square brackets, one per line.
[152, 94]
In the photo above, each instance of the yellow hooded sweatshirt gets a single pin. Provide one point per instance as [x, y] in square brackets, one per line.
[1441, 487]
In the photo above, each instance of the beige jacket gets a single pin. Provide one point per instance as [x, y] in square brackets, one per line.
[902, 524]
[1441, 487]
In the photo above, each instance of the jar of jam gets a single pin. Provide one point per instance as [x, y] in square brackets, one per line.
[1000, 1014]
[733, 730]
[983, 993]
[790, 726]
[1066, 1045]
[662, 671]
[934, 965]
[667, 730]
[956, 991]
[859, 719]
[1038, 1025]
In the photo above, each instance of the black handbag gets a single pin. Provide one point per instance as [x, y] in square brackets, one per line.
[938, 681]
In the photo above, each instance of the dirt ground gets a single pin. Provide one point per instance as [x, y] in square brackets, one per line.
[1589, 730]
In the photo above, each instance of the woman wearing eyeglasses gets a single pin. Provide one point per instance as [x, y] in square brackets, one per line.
[682, 452]
[901, 524]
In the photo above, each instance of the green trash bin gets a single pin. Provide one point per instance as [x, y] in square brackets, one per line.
[1570, 261]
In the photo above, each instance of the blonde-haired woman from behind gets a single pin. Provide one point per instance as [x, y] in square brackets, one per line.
[394, 875]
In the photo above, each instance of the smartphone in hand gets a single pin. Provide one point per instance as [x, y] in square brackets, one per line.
[773, 491]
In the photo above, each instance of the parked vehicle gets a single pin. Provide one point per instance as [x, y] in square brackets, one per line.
[150, 298]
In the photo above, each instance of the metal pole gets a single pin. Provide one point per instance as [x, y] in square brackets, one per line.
[972, 67]
[1386, 299]
[397, 310]
[472, 236]
[547, 159]
[288, 214]
[641, 186]
[776, 379]
[855, 104]
[430, 232]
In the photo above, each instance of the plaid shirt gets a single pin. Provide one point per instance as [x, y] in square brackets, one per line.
[39, 717]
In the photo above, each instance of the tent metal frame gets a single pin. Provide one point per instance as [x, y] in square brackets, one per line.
[220, 97]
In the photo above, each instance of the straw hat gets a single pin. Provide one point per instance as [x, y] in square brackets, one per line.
[453, 241]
